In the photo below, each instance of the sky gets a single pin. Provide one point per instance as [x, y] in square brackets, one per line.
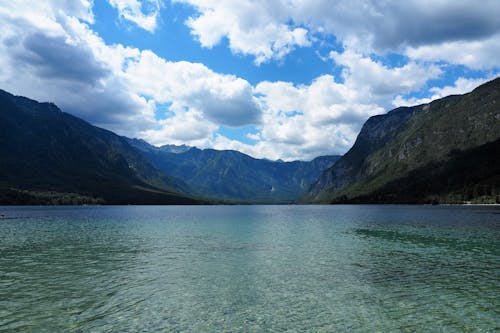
[276, 79]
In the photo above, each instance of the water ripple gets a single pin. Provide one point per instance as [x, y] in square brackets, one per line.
[250, 269]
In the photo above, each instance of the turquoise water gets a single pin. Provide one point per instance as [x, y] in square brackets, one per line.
[250, 269]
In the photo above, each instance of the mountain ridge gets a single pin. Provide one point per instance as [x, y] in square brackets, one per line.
[422, 135]
[46, 149]
[233, 175]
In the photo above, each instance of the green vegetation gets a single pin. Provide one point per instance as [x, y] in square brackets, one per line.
[23, 197]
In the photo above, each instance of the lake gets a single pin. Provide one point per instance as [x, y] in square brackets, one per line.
[250, 268]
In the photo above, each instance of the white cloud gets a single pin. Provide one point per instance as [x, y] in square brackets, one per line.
[301, 122]
[185, 127]
[461, 86]
[373, 80]
[479, 54]
[42, 15]
[254, 136]
[222, 99]
[259, 28]
[143, 13]
[199, 98]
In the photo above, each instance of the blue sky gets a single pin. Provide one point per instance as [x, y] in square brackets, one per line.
[276, 79]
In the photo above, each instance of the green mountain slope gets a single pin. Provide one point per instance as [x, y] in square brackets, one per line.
[443, 142]
[233, 175]
[46, 153]
[471, 176]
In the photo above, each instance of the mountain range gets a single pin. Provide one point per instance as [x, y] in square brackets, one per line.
[232, 175]
[49, 156]
[446, 151]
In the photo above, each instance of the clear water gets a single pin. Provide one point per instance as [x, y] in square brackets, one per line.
[250, 269]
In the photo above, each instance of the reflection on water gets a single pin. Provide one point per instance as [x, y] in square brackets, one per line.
[250, 268]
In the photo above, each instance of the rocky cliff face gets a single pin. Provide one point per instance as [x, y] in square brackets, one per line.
[375, 134]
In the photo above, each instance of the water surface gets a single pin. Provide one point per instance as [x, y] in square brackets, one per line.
[250, 268]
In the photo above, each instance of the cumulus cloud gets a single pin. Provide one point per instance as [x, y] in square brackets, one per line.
[272, 29]
[304, 121]
[479, 54]
[51, 57]
[142, 13]
[461, 86]
[185, 127]
[222, 99]
[375, 80]
[391, 25]
[200, 99]
[260, 28]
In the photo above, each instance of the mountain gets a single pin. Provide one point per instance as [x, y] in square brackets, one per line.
[233, 175]
[444, 151]
[48, 156]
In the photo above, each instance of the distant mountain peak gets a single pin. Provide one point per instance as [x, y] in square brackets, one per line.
[176, 149]
[145, 146]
